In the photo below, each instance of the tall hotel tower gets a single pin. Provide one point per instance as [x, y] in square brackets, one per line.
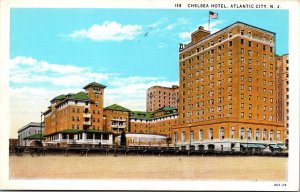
[227, 91]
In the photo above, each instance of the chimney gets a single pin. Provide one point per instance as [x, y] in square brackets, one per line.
[199, 34]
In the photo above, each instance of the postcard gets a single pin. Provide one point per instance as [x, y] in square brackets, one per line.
[149, 95]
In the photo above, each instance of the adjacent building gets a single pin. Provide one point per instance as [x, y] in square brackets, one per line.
[116, 118]
[159, 96]
[29, 133]
[227, 90]
[282, 84]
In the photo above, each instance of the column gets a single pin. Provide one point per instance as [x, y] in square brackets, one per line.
[83, 137]
[93, 138]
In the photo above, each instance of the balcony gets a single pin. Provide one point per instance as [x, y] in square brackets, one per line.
[87, 123]
[118, 126]
[121, 120]
[87, 115]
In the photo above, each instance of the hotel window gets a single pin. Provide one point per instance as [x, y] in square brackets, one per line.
[271, 66]
[271, 109]
[242, 59]
[73, 118]
[249, 70]
[249, 133]
[264, 134]
[250, 88]
[249, 43]
[271, 49]
[249, 34]
[242, 105]
[242, 50]
[250, 79]
[230, 97]
[230, 43]
[210, 136]
[249, 97]
[242, 69]
[242, 96]
[271, 117]
[230, 88]
[264, 117]
[264, 65]
[271, 135]
[265, 108]
[73, 110]
[242, 78]
[249, 61]
[219, 39]
[264, 81]
[242, 41]
[200, 134]
[230, 35]
[242, 32]
[264, 90]
[230, 70]
[250, 115]
[219, 82]
[242, 133]
[271, 100]
[264, 99]
[183, 136]
[242, 87]
[198, 49]
[257, 134]
[271, 74]
[250, 106]
[192, 135]
[264, 73]
[271, 58]
[278, 136]
[249, 52]
[219, 48]
[232, 133]
[221, 133]
[202, 48]
[230, 53]
[264, 47]
[271, 91]
[264, 56]
[230, 106]
[242, 114]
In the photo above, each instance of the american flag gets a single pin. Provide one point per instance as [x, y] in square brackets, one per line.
[213, 15]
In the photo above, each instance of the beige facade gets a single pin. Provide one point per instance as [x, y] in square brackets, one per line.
[228, 88]
[159, 96]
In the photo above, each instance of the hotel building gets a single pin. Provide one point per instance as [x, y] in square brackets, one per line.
[227, 90]
[159, 97]
[282, 83]
[77, 118]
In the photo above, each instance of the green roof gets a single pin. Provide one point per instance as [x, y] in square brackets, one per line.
[80, 95]
[140, 115]
[94, 84]
[35, 136]
[77, 96]
[71, 131]
[166, 109]
[116, 107]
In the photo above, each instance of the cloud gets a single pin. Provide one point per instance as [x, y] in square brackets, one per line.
[108, 31]
[179, 22]
[185, 35]
[26, 70]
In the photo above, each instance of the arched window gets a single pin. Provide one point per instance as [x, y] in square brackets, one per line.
[211, 133]
[278, 135]
[257, 134]
[200, 134]
[271, 135]
[264, 134]
[232, 131]
[175, 137]
[192, 135]
[242, 133]
[183, 136]
[222, 133]
[249, 133]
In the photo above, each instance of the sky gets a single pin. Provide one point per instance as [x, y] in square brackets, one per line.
[59, 51]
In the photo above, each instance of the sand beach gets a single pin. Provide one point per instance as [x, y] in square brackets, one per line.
[148, 167]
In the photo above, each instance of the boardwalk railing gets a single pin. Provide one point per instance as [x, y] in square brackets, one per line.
[84, 150]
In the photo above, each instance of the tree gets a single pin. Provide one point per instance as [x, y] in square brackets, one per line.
[123, 139]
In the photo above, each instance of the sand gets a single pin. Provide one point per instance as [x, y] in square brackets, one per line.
[148, 167]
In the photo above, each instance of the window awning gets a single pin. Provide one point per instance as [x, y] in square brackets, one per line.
[275, 146]
[261, 146]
